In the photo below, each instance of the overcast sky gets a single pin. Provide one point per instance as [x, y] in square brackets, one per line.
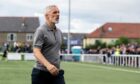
[86, 15]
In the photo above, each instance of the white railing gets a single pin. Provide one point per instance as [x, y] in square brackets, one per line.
[14, 56]
[97, 58]
[121, 60]
[20, 56]
[126, 60]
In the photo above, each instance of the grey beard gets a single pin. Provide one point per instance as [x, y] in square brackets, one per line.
[56, 22]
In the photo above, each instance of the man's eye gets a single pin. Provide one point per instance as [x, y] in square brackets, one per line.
[55, 12]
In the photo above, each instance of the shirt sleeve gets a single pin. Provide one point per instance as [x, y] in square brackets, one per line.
[38, 39]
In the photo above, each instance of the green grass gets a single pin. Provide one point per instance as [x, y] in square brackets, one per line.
[18, 72]
[15, 72]
[81, 73]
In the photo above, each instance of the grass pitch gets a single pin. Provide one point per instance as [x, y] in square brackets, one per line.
[19, 72]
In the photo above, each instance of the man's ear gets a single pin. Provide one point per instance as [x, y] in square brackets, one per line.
[46, 16]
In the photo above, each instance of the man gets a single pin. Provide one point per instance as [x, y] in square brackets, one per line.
[5, 51]
[46, 46]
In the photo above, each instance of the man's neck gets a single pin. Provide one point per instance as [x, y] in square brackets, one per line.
[50, 25]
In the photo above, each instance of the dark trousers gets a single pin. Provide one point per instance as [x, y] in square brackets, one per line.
[44, 77]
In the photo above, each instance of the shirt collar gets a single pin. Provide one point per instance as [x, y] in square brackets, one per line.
[49, 29]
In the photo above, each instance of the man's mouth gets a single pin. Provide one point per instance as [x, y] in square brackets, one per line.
[57, 18]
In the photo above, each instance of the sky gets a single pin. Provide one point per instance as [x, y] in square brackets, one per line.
[86, 15]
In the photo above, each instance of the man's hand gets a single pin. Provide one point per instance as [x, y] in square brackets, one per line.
[52, 69]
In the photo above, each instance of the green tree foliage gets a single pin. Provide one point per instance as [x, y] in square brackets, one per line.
[122, 40]
[98, 44]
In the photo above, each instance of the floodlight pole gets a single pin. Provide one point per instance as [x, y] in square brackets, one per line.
[69, 25]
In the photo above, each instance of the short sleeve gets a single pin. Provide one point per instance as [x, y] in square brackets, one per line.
[38, 39]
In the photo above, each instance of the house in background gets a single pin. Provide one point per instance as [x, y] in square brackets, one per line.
[17, 29]
[110, 32]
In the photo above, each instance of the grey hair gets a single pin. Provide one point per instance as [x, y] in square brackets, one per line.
[48, 8]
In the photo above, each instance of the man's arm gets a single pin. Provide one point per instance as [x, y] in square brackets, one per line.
[51, 68]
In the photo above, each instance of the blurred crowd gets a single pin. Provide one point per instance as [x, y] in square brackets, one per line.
[132, 48]
[17, 47]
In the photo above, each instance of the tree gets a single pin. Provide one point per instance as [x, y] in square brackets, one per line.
[122, 40]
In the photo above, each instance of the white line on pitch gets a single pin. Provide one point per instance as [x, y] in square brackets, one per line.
[109, 68]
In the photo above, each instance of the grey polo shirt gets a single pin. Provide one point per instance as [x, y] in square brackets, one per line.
[49, 42]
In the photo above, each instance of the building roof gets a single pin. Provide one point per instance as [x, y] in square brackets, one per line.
[116, 30]
[18, 24]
